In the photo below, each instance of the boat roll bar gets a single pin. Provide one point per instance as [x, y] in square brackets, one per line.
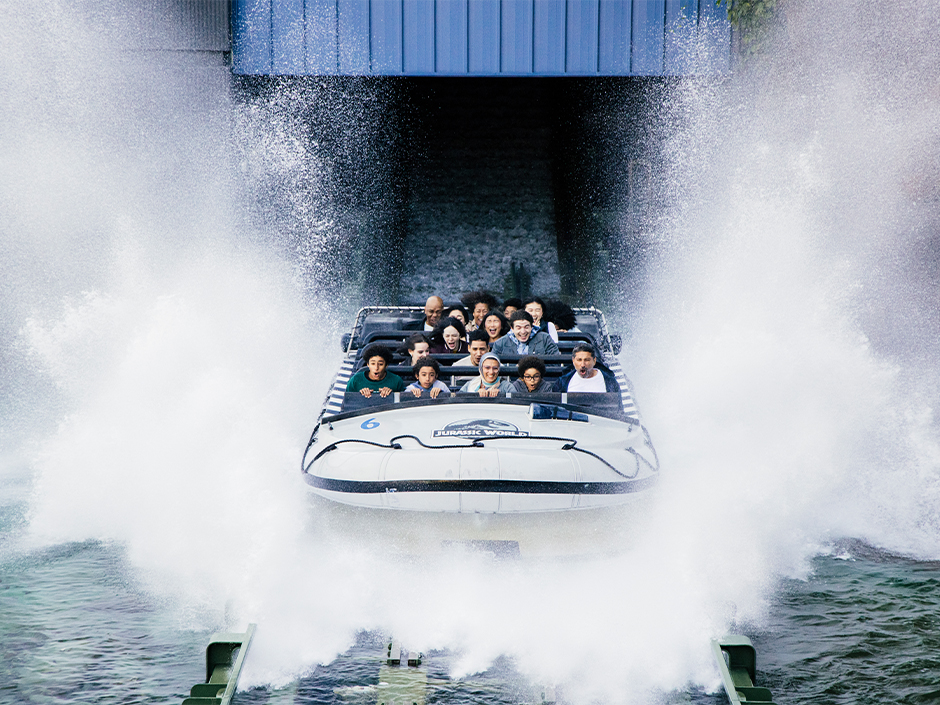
[737, 662]
[225, 656]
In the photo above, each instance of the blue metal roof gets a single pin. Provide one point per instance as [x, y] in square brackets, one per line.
[480, 37]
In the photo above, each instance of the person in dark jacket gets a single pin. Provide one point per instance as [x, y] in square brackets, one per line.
[585, 377]
[531, 377]
[449, 337]
[433, 310]
[521, 341]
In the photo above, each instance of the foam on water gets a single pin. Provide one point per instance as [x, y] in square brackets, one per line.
[188, 366]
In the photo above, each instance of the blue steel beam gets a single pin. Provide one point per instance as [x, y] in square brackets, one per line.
[480, 37]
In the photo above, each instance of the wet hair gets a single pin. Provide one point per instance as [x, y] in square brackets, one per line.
[472, 298]
[529, 362]
[376, 350]
[479, 334]
[437, 335]
[561, 314]
[426, 362]
[503, 323]
[584, 347]
[448, 310]
[520, 315]
[514, 302]
[412, 342]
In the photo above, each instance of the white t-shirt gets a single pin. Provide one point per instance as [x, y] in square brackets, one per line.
[594, 384]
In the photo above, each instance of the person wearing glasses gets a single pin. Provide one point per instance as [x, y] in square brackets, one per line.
[531, 377]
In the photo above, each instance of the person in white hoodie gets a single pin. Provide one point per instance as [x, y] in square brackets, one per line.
[489, 383]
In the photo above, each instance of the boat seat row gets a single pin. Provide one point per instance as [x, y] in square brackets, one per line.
[609, 403]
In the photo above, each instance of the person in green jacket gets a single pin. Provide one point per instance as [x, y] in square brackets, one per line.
[375, 377]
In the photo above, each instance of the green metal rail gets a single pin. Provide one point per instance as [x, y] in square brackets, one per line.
[737, 663]
[225, 656]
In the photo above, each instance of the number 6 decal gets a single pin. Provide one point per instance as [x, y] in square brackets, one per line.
[369, 424]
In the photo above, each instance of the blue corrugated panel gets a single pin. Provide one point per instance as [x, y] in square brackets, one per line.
[386, 38]
[320, 28]
[615, 29]
[287, 37]
[419, 36]
[483, 31]
[713, 23]
[681, 30]
[581, 50]
[480, 37]
[251, 40]
[649, 17]
[516, 36]
[549, 37]
[451, 33]
[352, 27]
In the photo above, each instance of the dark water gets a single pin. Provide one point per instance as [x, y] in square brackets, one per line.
[78, 626]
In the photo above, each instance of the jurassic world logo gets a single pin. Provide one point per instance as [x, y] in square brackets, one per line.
[480, 428]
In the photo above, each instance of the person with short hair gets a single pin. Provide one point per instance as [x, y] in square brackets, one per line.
[585, 377]
[495, 325]
[535, 307]
[449, 337]
[488, 383]
[531, 377]
[417, 346]
[433, 310]
[520, 340]
[478, 344]
[375, 377]
[426, 372]
[510, 306]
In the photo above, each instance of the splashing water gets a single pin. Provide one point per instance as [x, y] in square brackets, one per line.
[783, 358]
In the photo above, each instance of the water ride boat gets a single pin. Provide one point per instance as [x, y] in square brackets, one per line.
[490, 458]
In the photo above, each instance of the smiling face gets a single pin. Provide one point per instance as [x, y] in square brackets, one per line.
[451, 337]
[421, 350]
[377, 367]
[426, 377]
[477, 350]
[490, 371]
[584, 363]
[479, 311]
[433, 310]
[522, 330]
[534, 310]
[493, 327]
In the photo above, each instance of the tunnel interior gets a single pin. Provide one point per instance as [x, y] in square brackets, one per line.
[438, 185]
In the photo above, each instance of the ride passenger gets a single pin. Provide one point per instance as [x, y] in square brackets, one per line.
[562, 315]
[535, 307]
[585, 377]
[375, 377]
[479, 345]
[449, 337]
[479, 303]
[433, 309]
[520, 340]
[417, 346]
[510, 306]
[489, 383]
[426, 372]
[531, 377]
[495, 325]
[458, 312]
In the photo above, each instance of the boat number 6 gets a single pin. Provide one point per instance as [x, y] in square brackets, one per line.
[369, 424]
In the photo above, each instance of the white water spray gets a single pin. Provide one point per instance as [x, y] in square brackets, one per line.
[191, 370]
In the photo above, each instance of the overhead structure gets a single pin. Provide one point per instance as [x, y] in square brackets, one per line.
[480, 37]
